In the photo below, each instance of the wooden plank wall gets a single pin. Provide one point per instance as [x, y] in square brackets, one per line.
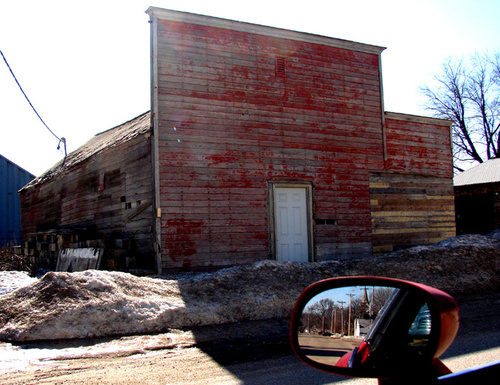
[413, 203]
[108, 194]
[410, 210]
[231, 120]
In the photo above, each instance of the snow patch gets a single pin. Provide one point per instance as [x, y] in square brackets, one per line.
[17, 357]
[13, 280]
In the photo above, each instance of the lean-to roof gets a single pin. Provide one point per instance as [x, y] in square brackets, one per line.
[101, 141]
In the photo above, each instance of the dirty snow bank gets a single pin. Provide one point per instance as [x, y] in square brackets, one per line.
[100, 303]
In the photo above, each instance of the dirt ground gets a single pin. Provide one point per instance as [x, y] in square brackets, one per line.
[138, 369]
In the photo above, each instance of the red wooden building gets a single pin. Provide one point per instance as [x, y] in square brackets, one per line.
[272, 144]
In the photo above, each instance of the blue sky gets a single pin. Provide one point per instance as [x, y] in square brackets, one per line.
[85, 64]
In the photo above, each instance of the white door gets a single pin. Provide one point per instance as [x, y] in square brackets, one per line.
[292, 239]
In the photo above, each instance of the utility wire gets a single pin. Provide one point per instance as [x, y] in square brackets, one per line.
[63, 140]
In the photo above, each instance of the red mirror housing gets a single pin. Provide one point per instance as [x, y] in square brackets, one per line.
[443, 311]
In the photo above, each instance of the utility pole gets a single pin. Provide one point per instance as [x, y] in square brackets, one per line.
[349, 324]
[342, 316]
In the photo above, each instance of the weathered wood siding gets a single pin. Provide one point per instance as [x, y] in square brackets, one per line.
[109, 195]
[418, 145]
[238, 109]
[413, 203]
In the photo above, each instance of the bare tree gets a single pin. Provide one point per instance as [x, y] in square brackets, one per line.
[468, 93]
[319, 315]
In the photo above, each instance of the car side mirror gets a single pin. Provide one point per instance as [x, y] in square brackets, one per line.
[372, 327]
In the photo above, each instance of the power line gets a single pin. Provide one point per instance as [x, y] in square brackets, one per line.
[63, 140]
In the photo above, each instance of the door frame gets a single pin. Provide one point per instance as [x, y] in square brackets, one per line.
[272, 186]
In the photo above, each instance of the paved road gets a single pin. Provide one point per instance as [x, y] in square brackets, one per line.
[477, 342]
[468, 350]
[327, 350]
[262, 363]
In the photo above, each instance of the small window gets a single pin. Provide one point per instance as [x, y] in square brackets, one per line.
[280, 66]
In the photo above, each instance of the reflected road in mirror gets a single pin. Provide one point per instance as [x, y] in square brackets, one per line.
[325, 349]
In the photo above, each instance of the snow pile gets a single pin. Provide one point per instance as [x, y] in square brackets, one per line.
[13, 280]
[461, 265]
[87, 304]
[101, 303]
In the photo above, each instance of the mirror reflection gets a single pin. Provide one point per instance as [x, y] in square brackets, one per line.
[365, 327]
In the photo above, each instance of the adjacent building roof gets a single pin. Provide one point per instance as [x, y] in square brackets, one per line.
[106, 139]
[487, 172]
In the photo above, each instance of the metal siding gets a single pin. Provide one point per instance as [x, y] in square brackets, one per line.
[12, 178]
